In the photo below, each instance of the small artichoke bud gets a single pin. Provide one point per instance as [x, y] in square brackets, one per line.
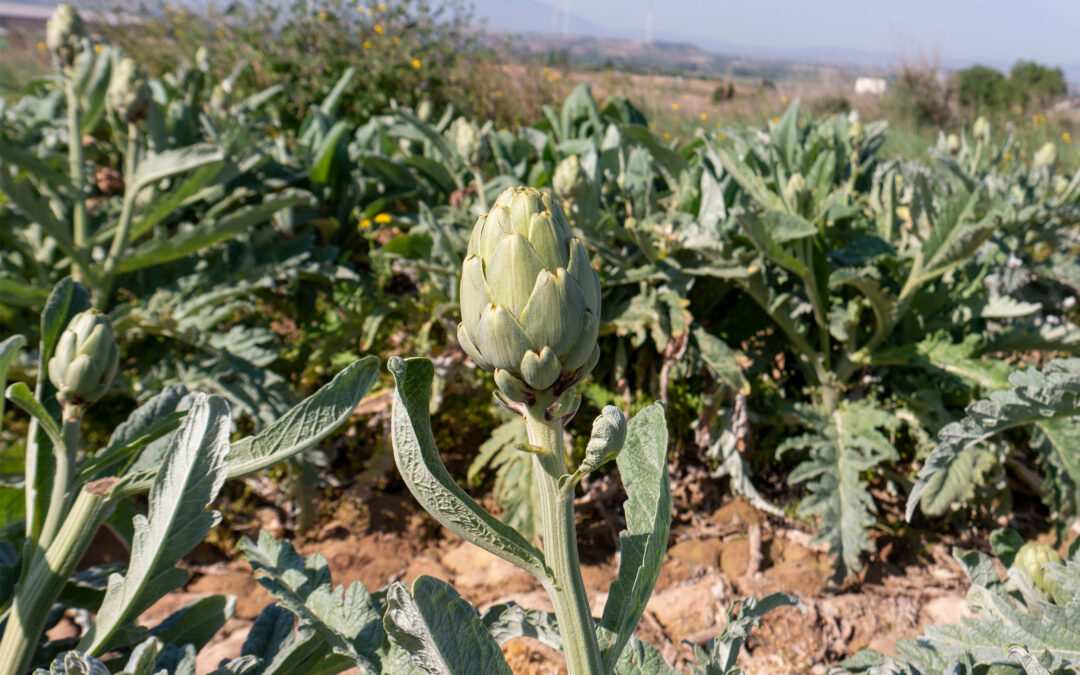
[1045, 155]
[795, 190]
[424, 110]
[856, 132]
[981, 129]
[568, 180]
[530, 300]
[952, 144]
[85, 360]
[129, 93]
[608, 436]
[467, 140]
[1061, 184]
[202, 59]
[1032, 559]
[64, 33]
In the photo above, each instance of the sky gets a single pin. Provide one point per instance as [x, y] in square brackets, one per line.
[959, 32]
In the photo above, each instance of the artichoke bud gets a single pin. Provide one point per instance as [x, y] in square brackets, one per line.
[608, 436]
[202, 59]
[85, 359]
[981, 129]
[1032, 558]
[856, 132]
[569, 181]
[530, 300]
[795, 190]
[64, 33]
[952, 144]
[467, 141]
[1046, 155]
[424, 110]
[129, 93]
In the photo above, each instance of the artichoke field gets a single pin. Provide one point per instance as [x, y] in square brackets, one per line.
[831, 332]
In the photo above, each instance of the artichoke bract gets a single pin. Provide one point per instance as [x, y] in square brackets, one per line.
[128, 94]
[85, 360]
[530, 300]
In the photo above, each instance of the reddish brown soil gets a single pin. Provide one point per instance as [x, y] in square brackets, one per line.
[385, 537]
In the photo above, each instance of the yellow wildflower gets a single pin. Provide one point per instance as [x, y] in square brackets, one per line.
[719, 125]
[383, 219]
[1008, 155]
[667, 135]
[783, 100]
[703, 116]
[220, 33]
[1067, 137]
[416, 63]
[382, 6]
[98, 48]
[776, 120]
[365, 223]
[367, 44]
[178, 33]
[42, 46]
[396, 40]
[675, 107]
[379, 29]
[323, 16]
[720, 137]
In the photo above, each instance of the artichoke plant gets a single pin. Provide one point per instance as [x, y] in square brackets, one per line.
[1032, 558]
[85, 360]
[530, 300]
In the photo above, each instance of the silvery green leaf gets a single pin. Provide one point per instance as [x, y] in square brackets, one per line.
[724, 649]
[643, 466]
[423, 470]
[9, 349]
[280, 650]
[510, 620]
[440, 631]
[346, 619]
[20, 395]
[641, 658]
[605, 442]
[170, 163]
[143, 658]
[841, 447]
[1029, 662]
[191, 476]
[1036, 397]
[307, 423]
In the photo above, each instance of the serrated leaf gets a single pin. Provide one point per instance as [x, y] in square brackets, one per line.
[440, 631]
[841, 447]
[307, 423]
[347, 619]
[643, 467]
[423, 470]
[510, 620]
[1035, 397]
[192, 474]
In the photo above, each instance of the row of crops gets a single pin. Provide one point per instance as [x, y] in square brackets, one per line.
[867, 344]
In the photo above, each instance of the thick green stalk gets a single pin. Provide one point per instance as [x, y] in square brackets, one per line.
[560, 547]
[45, 578]
[77, 168]
[123, 229]
[60, 498]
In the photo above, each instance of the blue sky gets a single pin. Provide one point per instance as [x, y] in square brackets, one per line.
[957, 31]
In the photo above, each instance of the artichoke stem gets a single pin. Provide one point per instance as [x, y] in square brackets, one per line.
[60, 497]
[560, 547]
[77, 170]
[46, 576]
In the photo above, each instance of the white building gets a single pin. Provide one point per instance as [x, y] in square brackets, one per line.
[873, 86]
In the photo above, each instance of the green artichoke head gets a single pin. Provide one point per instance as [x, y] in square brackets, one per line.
[1046, 155]
[981, 129]
[1032, 558]
[568, 180]
[64, 33]
[530, 300]
[952, 144]
[128, 94]
[467, 140]
[85, 360]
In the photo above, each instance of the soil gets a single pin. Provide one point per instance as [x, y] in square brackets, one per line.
[714, 559]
